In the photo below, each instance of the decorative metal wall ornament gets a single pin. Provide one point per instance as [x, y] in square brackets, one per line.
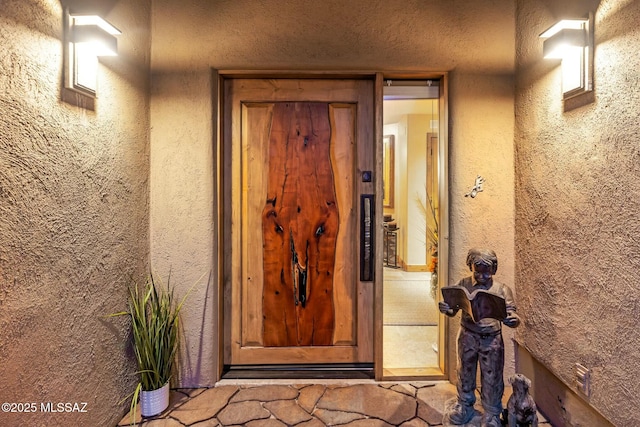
[477, 187]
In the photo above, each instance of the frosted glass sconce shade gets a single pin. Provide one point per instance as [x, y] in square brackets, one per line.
[86, 38]
[571, 40]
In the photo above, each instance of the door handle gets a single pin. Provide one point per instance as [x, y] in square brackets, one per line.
[367, 217]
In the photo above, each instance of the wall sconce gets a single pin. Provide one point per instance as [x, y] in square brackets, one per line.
[571, 40]
[86, 37]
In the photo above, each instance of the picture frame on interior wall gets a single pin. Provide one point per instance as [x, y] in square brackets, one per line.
[388, 170]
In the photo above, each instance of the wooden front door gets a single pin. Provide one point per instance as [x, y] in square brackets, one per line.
[295, 153]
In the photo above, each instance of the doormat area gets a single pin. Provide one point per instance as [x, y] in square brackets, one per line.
[302, 371]
[409, 303]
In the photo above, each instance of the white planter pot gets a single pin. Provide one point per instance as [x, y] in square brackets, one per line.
[155, 401]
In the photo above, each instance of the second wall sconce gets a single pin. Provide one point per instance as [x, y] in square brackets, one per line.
[86, 37]
[571, 40]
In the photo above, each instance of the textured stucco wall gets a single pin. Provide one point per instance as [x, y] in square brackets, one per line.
[182, 210]
[73, 216]
[481, 117]
[577, 203]
[474, 41]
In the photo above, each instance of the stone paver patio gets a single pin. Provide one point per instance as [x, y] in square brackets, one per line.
[372, 404]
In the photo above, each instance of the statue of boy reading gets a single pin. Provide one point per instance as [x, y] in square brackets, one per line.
[480, 342]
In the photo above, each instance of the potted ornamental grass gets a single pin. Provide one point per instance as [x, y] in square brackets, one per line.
[430, 215]
[155, 322]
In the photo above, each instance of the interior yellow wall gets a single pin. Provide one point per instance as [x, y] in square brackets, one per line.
[399, 156]
[402, 188]
[410, 170]
[577, 204]
[417, 128]
[74, 207]
[192, 36]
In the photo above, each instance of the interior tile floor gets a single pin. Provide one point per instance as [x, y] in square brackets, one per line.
[410, 330]
[304, 404]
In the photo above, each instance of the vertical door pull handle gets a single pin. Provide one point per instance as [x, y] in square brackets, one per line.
[367, 221]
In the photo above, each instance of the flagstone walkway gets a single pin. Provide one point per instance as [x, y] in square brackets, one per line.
[372, 404]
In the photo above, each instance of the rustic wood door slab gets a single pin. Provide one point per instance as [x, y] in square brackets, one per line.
[294, 153]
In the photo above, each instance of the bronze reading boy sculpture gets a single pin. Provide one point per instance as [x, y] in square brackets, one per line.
[480, 340]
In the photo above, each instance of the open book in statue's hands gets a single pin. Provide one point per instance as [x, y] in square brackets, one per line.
[479, 304]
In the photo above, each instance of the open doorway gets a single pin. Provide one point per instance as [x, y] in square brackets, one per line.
[412, 157]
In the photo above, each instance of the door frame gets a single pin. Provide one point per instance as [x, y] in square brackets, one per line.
[222, 215]
[444, 341]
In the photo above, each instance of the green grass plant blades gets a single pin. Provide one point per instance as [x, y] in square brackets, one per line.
[155, 329]
[120, 313]
[133, 408]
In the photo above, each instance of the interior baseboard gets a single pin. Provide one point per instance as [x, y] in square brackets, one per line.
[416, 268]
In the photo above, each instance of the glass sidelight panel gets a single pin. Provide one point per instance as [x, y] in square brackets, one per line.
[411, 158]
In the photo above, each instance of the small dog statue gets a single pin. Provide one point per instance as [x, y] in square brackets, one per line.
[521, 409]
